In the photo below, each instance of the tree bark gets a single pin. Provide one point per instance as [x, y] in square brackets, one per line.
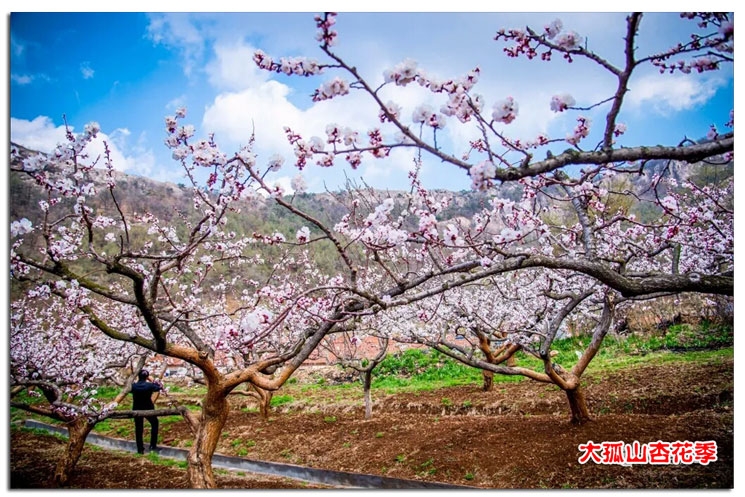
[488, 380]
[578, 405]
[366, 386]
[78, 430]
[265, 401]
[215, 410]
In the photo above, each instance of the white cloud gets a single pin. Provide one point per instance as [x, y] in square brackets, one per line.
[233, 68]
[176, 103]
[667, 93]
[86, 70]
[21, 79]
[39, 134]
[17, 47]
[264, 110]
[177, 30]
[27, 79]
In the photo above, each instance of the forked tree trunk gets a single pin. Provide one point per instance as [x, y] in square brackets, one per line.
[78, 431]
[578, 406]
[366, 386]
[214, 414]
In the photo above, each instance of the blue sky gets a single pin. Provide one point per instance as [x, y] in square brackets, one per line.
[129, 70]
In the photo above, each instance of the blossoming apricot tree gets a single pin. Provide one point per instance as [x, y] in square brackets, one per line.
[55, 350]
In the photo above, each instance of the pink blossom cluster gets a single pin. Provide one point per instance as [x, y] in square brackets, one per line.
[699, 64]
[326, 35]
[20, 227]
[505, 110]
[560, 103]
[582, 130]
[303, 235]
[522, 42]
[376, 142]
[460, 103]
[527, 42]
[569, 41]
[402, 74]
[424, 114]
[330, 89]
[299, 66]
[392, 109]
[463, 106]
[377, 230]
[341, 135]
[553, 29]
[298, 184]
[482, 175]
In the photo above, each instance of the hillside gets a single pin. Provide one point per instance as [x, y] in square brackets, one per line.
[138, 194]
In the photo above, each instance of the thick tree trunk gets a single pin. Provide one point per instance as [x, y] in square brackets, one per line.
[214, 413]
[265, 402]
[578, 406]
[366, 386]
[78, 431]
[488, 380]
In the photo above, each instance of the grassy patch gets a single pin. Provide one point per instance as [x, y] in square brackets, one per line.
[279, 400]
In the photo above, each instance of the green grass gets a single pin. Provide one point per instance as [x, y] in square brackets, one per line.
[417, 370]
[279, 400]
[39, 432]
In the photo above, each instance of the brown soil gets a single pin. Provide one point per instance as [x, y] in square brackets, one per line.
[517, 436]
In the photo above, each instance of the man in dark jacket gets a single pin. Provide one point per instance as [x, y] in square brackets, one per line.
[142, 400]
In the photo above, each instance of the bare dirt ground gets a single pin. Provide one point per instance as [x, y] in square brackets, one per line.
[517, 436]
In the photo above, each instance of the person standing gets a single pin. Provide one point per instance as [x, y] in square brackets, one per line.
[142, 400]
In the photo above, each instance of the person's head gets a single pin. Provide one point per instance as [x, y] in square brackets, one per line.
[142, 375]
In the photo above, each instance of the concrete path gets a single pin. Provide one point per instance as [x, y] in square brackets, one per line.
[314, 475]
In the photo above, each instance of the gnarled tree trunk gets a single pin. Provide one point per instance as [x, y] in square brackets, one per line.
[215, 410]
[578, 405]
[265, 401]
[78, 430]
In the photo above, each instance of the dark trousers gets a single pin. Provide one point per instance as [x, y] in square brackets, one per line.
[153, 433]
